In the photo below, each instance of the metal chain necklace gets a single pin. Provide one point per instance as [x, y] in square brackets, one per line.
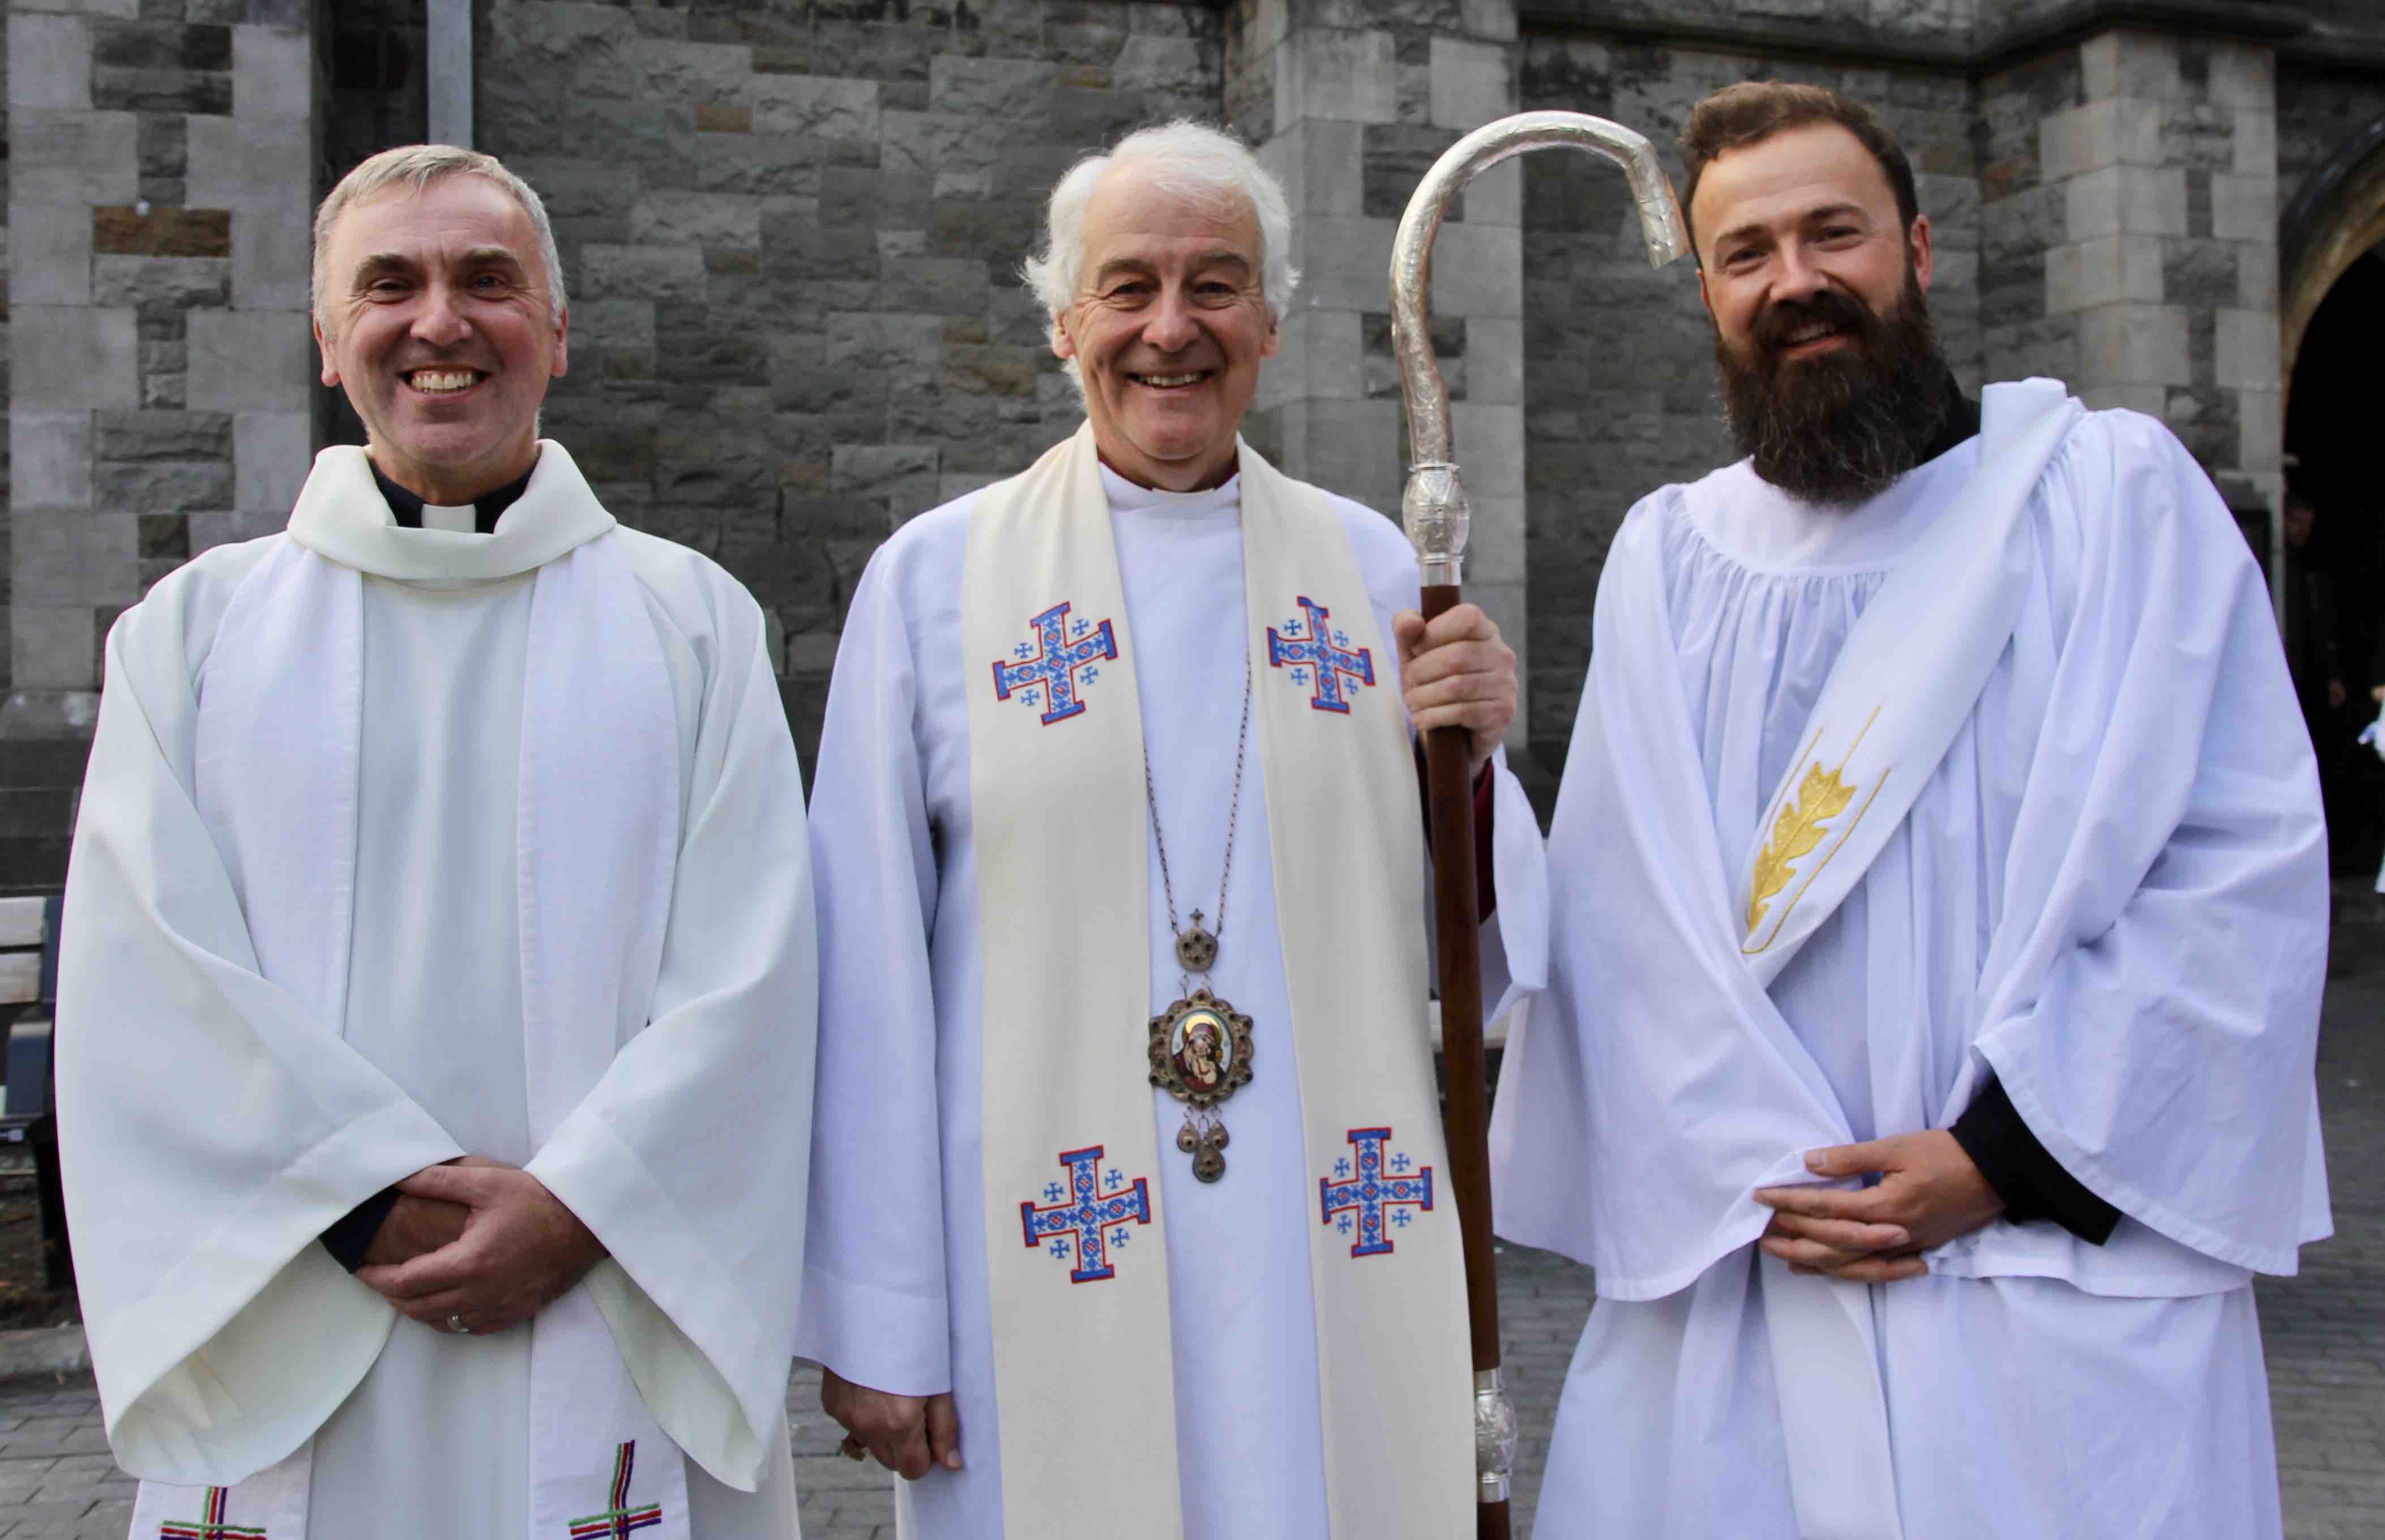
[1201, 1046]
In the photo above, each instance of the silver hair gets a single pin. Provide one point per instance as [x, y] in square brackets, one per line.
[1185, 157]
[416, 166]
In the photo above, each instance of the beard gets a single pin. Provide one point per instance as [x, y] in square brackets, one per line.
[1839, 428]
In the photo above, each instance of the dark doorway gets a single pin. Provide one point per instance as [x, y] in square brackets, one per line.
[2335, 621]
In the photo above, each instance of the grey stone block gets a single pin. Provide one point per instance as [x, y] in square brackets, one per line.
[82, 556]
[49, 253]
[49, 61]
[1344, 76]
[49, 458]
[244, 164]
[243, 360]
[702, 220]
[816, 106]
[2245, 349]
[1471, 82]
[50, 647]
[273, 70]
[651, 273]
[65, 157]
[2135, 344]
[161, 282]
[160, 486]
[183, 436]
[73, 355]
[272, 253]
[2244, 207]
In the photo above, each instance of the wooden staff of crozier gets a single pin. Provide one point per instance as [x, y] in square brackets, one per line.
[1435, 513]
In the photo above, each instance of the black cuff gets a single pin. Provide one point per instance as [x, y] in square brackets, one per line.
[350, 1237]
[2031, 1183]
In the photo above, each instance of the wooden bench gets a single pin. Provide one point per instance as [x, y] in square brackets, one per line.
[28, 984]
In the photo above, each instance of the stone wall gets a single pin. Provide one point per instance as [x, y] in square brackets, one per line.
[793, 238]
[162, 180]
[1619, 370]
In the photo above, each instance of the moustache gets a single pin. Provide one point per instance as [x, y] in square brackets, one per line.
[1831, 307]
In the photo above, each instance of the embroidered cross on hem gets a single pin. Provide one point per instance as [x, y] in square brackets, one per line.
[1324, 649]
[211, 1526]
[619, 1521]
[1367, 1195]
[1047, 675]
[1085, 1220]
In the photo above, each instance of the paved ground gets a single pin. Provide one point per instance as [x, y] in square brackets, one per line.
[2325, 1333]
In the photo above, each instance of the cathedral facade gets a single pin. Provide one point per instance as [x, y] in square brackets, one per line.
[792, 231]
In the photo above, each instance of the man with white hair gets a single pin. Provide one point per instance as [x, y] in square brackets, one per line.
[440, 966]
[1118, 843]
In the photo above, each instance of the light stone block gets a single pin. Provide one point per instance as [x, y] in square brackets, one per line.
[272, 248]
[49, 254]
[49, 459]
[1489, 440]
[2255, 143]
[1471, 83]
[2134, 199]
[1477, 270]
[1349, 447]
[1497, 197]
[73, 158]
[2135, 344]
[2245, 349]
[2243, 75]
[78, 556]
[2260, 431]
[271, 452]
[2121, 63]
[214, 527]
[825, 107]
[2256, 275]
[2243, 208]
[1343, 261]
[49, 61]
[1268, 23]
[249, 361]
[2151, 400]
[2084, 274]
[52, 647]
[1344, 76]
[244, 163]
[1495, 545]
[1322, 356]
[1495, 360]
[707, 220]
[73, 355]
[2121, 130]
[272, 74]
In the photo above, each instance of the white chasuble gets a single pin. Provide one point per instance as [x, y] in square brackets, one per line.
[2098, 880]
[1000, 1206]
[454, 826]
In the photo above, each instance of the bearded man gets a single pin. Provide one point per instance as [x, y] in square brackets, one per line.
[1938, 915]
[1116, 753]
[438, 950]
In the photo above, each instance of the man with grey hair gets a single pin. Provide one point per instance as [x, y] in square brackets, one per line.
[1118, 843]
[441, 966]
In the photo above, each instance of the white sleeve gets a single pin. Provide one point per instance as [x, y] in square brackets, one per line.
[875, 1307]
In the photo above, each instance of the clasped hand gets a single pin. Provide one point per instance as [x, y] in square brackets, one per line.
[1929, 1192]
[1456, 672]
[909, 1434]
[479, 1241]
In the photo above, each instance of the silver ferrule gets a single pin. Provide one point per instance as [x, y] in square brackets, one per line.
[1495, 1436]
[1435, 510]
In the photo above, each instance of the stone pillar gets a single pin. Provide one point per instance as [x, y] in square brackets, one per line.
[1350, 116]
[163, 177]
[2132, 235]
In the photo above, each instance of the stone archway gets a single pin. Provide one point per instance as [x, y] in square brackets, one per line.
[2337, 215]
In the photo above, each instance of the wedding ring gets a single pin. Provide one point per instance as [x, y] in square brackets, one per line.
[455, 1324]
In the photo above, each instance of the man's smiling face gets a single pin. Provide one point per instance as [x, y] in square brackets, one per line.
[1168, 326]
[444, 334]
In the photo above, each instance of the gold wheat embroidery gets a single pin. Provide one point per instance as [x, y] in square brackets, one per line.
[1822, 797]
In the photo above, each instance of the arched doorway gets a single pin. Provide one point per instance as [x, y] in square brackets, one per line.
[2335, 534]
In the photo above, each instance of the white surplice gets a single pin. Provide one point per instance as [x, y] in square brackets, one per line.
[2136, 771]
[894, 1291]
[214, 1130]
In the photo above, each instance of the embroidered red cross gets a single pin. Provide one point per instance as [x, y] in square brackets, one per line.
[211, 1526]
[619, 1521]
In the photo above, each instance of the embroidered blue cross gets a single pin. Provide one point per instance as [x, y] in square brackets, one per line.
[1052, 662]
[1325, 650]
[1367, 1194]
[1085, 1217]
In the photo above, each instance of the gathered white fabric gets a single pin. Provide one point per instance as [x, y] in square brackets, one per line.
[2107, 798]
[216, 891]
[1081, 1328]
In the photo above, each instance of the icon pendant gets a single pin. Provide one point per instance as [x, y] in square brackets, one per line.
[1201, 1055]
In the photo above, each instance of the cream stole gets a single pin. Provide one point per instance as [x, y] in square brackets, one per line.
[1906, 680]
[1081, 1327]
[279, 738]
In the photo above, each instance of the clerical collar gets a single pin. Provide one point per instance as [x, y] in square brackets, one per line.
[486, 509]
